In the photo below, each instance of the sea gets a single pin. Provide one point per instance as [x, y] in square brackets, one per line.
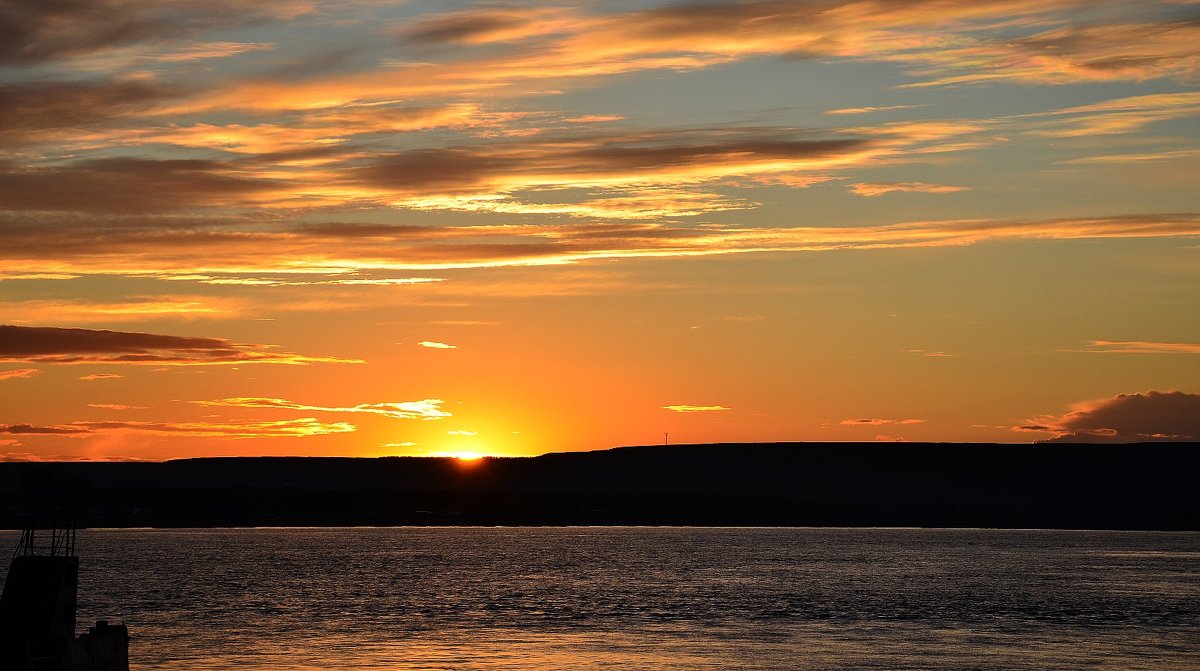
[652, 598]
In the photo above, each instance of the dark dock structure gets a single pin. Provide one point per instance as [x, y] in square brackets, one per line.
[37, 610]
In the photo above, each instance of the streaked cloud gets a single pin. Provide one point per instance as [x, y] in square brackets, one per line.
[1149, 416]
[49, 110]
[136, 308]
[101, 376]
[695, 408]
[134, 185]
[291, 428]
[352, 248]
[869, 109]
[930, 353]
[1139, 157]
[880, 188]
[1142, 347]
[205, 50]
[43, 344]
[878, 422]
[18, 373]
[942, 42]
[1118, 115]
[36, 31]
[426, 409]
[27, 429]
[1095, 52]
[115, 406]
[462, 432]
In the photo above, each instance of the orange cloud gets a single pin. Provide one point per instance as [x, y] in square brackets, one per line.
[101, 376]
[1087, 53]
[115, 406]
[490, 50]
[878, 422]
[869, 109]
[41, 344]
[137, 308]
[426, 409]
[695, 408]
[630, 175]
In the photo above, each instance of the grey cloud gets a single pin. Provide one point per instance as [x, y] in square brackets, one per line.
[26, 429]
[29, 109]
[461, 27]
[33, 31]
[577, 158]
[1154, 415]
[123, 185]
[46, 344]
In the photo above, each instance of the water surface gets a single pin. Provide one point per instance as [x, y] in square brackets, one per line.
[542, 599]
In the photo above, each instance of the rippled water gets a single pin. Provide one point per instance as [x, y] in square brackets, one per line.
[646, 598]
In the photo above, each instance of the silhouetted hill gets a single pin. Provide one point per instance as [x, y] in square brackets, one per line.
[1135, 486]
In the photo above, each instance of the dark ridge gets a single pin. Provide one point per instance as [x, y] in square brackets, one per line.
[1129, 486]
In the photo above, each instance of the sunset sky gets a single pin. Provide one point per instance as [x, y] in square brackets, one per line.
[424, 228]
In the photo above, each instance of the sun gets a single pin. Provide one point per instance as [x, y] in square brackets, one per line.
[461, 455]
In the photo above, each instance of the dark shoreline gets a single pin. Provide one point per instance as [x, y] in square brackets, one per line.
[1141, 486]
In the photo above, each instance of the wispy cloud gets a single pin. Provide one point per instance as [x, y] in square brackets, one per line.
[878, 422]
[101, 376]
[880, 188]
[695, 408]
[42, 344]
[426, 409]
[18, 373]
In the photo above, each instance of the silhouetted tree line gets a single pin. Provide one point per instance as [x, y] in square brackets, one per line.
[1137, 486]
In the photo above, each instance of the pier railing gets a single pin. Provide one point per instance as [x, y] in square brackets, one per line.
[56, 539]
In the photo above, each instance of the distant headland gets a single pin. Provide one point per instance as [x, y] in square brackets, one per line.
[1128, 486]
